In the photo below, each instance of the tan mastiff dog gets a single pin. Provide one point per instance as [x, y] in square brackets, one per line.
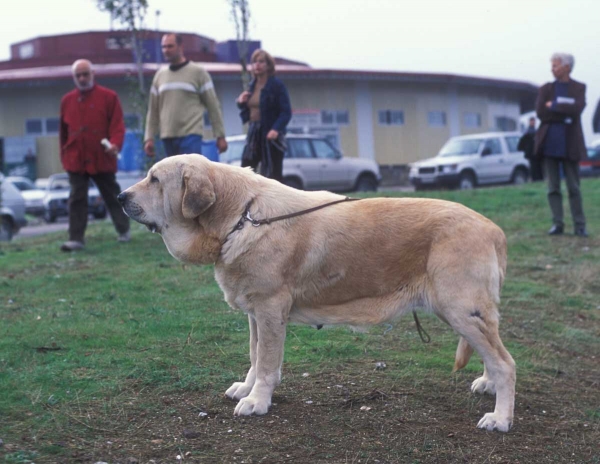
[354, 262]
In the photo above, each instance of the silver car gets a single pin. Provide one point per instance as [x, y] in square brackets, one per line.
[313, 163]
[34, 196]
[12, 210]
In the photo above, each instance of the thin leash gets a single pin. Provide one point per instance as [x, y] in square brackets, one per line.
[246, 217]
[425, 338]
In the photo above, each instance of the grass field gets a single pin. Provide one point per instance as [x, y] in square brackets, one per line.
[121, 354]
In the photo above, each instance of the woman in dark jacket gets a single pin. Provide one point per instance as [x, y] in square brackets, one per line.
[266, 107]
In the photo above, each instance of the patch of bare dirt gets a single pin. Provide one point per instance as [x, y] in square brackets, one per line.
[351, 415]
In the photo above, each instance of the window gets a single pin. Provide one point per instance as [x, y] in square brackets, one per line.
[512, 143]
[299, 148]
[52, 125]
[323, 149]
[391, 118]
[42, 126]
[472, 119]
[340, 118]
[492, 147]
[505, 124]
[34, 127]
[436, 118]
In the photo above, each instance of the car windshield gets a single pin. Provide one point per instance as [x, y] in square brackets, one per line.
[58, 184]
[23, 185]
[234, 151]
[463, 147]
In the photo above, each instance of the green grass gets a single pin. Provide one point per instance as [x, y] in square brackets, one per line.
[118, 317]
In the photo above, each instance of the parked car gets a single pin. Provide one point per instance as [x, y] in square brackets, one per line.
[313, 163]
[56, 199]
[34, 196]
[590, 166]
[470, 160]
[12, 210]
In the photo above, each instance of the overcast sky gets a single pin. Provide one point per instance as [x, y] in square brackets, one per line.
[492, 38]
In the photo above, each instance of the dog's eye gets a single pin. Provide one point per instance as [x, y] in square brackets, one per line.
[153, 179]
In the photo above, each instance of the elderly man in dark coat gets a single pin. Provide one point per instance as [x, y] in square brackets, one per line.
[559, 140]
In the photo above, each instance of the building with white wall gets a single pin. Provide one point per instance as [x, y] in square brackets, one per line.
[392, 117]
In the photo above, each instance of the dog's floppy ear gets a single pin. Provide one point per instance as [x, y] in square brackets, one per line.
[198, 192]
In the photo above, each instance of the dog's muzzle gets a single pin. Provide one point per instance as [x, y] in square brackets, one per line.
[122, 197]
[134, 211]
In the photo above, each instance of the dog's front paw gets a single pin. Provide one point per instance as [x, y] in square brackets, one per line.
[492, 421]
[483, 385]
[238, 391]
[252, 404]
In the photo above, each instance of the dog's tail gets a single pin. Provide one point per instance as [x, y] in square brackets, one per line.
[463, 354]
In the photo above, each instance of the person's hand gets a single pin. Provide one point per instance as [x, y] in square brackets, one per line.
[243, 98]
[548, 104]
[272, 135]
[113, 150]
[221, 144]
[149, 148]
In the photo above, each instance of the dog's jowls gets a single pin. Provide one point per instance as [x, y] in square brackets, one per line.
[357, 263]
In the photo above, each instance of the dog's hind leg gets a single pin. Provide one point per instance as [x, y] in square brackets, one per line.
[241, 390]
[271, 321]
[479, 327]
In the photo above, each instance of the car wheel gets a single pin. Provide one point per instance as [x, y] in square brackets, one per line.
[6, 229]
[293, 182]
[519, 177]
[366, 183]
[467, 181]
[49, 217]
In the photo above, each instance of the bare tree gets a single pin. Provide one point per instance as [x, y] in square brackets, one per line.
[130, 13]
[240, 14]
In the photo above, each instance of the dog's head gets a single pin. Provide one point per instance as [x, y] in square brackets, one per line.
[171, 200]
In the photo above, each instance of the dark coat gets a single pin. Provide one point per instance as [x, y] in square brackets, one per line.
[576, 149]
[596, 120]
[275, 106]
[85, 119]
[527, 144]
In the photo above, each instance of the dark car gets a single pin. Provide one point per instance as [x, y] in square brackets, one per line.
[590, 166]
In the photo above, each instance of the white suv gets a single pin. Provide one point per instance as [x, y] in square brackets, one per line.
[312, 163]
[470, 160]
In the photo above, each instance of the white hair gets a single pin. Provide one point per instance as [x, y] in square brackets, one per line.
[564, 58]
[78, 62]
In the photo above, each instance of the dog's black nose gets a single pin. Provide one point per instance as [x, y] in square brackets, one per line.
[122, 198]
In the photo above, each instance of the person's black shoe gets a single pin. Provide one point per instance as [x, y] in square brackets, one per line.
[581, 232]
[556, 230]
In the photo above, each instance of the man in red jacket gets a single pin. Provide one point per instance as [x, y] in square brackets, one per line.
[89, 114]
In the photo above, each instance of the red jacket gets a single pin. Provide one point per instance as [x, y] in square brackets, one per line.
[85, 119]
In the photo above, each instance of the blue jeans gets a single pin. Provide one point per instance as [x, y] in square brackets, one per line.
[183, 145]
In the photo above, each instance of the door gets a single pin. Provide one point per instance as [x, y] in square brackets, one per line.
[300, 162]
[492, 164]
[334, 173]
